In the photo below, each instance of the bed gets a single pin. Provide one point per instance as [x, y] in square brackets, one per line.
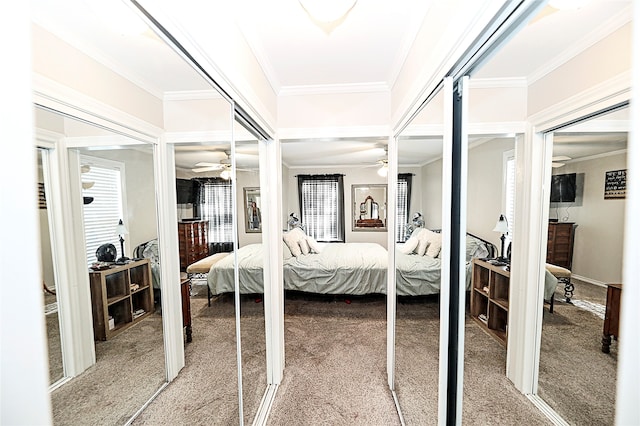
[339, 268]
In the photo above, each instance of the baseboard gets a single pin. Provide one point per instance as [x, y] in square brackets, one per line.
[547, 410]
[589, 280]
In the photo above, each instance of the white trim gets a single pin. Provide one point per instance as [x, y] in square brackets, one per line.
[47, 139]
[598, 97]
[597, 156]
[591, 38]
[146, 404]
[445, 253]
[589, 280]
[398, 409]
[332, 89]
[285, 134]
[102, 141]
[192, 95]
[165, 184]
[498, 83]
[265, 406]
[59, 97]
[392, 194]
[546, 410]
[202, 136]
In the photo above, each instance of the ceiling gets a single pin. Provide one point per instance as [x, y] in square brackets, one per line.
[366, 49]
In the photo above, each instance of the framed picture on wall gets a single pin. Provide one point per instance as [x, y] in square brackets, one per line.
[252, 203]
[615, 184]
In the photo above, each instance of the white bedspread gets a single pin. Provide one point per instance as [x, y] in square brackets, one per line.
[341, 268]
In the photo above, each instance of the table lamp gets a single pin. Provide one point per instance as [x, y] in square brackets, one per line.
[503, 228]
[120, 231]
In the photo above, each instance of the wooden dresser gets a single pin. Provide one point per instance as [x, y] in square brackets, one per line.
[193, 241]
[611, 316]
[560, 244]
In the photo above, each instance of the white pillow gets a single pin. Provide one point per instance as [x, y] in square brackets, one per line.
[313, 245]
[291, 239]
[286, 253]
[435, 244]
[304, 246]
[409, 245]
[423, 242]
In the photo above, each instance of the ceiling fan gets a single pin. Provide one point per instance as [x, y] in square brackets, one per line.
[224, 165]
[558, 161]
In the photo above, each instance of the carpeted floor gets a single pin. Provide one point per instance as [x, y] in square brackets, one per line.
[488, 396]
[206, 390]
[129, 369]
[576, 379]
[336, 368]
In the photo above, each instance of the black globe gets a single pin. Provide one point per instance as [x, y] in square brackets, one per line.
[106, 253]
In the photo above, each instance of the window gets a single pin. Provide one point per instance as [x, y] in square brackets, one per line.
[215, 205]
[509, 193]
[107, 208]
[403, 204]
[321, 200]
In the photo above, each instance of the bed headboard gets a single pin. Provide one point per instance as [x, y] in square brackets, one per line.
[491, 248]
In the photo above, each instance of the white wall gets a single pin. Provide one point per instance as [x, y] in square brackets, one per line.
[604, 60]
[599, 234]
[84, 74]
[484, 189]
[142, 222]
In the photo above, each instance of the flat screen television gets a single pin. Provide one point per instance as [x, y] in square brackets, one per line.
[186, 191]
[563, 188]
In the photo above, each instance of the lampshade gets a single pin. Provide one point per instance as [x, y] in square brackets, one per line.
[121, 229]
[501, 225]
[327, 10]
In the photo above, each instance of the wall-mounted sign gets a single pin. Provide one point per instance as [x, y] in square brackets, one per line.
[615, 184]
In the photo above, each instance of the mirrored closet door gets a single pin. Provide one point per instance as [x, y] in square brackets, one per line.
[418, 264]
[587, 190]
[114, 209]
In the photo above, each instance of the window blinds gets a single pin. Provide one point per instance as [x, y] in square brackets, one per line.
[402, 212]
[510, 194]
[216, 206]
[103, 214]
[321, 206]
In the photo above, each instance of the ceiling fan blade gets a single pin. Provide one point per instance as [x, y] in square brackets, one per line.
[561, 158]
[205, 164]
[556, 165]
[205, 169]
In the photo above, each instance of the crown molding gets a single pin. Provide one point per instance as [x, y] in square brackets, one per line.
[51, 94]
[255, 45]
[334, 132]
[188, 95]
[330, 89]
[597, 156]
[198, 137]
[611, 92]
[491, 83]
[590, 39]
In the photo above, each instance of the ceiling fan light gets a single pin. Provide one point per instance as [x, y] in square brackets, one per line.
[226, 174]
[382, 171]
[327, 10]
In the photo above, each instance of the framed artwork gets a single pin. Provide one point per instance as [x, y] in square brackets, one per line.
[615, 184]
[252, 203]
[42, 199]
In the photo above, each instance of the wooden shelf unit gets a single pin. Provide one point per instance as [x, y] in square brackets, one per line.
[111, 295]
[490, 296]
[193, 241]
[560, 244]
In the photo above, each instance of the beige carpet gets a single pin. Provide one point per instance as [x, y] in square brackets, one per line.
[488, 396]
[576, 379]
[206, 390]
[129, 369]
